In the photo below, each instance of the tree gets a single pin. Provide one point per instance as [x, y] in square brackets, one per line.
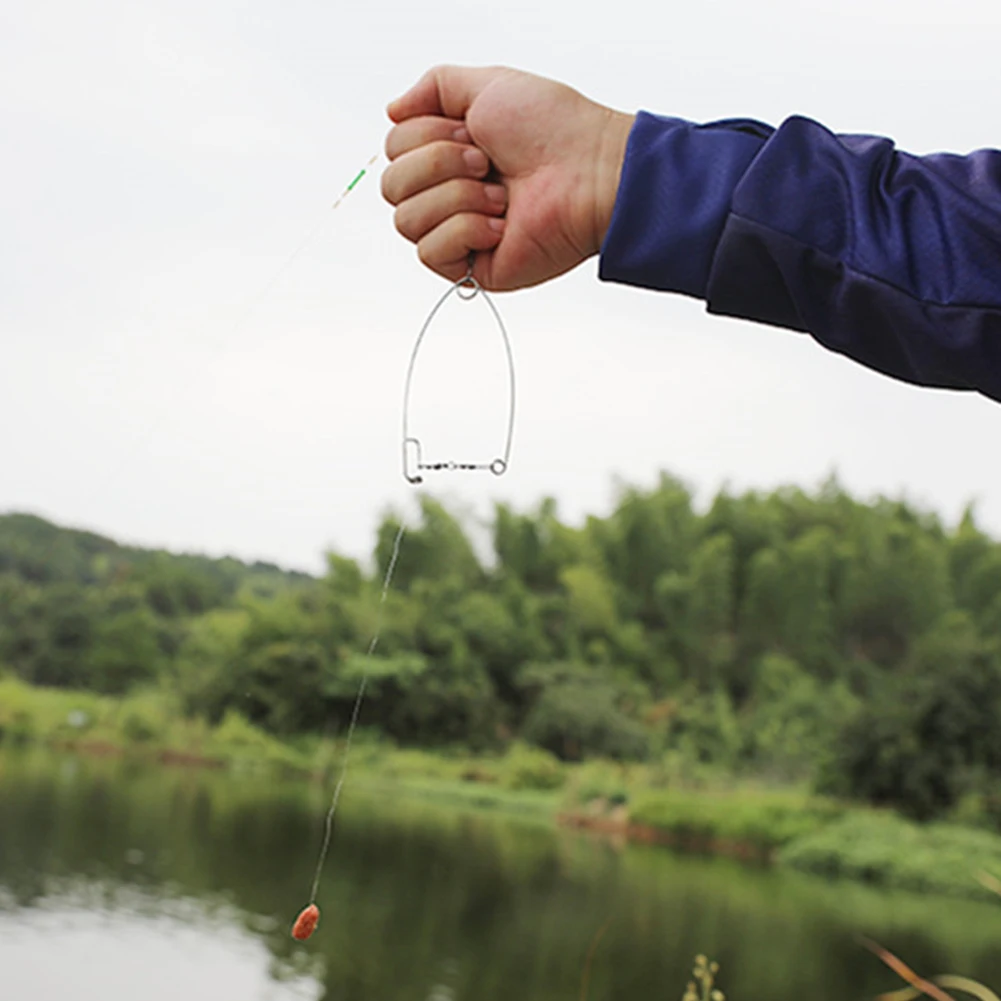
[711, 610]
[123, 650]
[577, 712]
[436, 549]
[928, 734]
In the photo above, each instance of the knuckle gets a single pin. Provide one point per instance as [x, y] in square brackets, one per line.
[465, 195]
[471, 225]
[437, 159]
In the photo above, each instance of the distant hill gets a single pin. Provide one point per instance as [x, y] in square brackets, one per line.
[35, 550]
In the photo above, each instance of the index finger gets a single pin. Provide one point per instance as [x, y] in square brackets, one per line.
[420, 131]
[445, 90]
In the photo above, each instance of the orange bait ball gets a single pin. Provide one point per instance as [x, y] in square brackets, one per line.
[306, 923]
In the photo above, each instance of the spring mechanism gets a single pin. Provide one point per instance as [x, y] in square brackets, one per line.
[414, 463]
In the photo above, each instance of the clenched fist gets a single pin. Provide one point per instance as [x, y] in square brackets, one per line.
[518, 169]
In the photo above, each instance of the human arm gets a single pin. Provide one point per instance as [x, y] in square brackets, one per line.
[891, 259]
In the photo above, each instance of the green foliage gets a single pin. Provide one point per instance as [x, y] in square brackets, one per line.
[531, 768]
[599, 780]
[124, 651]
[418, 701]
[764, 820]
[29, 711]
[578, 712]
[437, 550]
[647, 536]
[782, 635]
[590, 600]
[886, 849]
[896, 584]
[141, 724]
[35, 550]
[929, 736]
[792, 718]
[208, 668]
[787, 602]
[710, 611]
[705, 728]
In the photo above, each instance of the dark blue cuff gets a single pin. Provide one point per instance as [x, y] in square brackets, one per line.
[674, 197]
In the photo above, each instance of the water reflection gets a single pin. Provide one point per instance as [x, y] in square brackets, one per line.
[98, 942]
[119, 882]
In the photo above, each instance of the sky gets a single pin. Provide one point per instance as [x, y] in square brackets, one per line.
[160, 161]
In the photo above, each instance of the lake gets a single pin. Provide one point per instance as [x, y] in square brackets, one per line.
[121, 882]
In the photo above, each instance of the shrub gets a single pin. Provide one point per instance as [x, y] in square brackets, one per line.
[140, 727]
[577, 719]
[886, 849]
[599, 780]
[530, 768]
[919, 745]
[19, 728]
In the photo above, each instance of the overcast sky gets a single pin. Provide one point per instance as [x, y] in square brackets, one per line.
[160, 160]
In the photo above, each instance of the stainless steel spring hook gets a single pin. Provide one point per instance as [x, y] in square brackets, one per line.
[466, 288]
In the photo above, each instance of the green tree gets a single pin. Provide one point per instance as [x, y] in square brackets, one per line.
[123, 651]
[711, 611]
[928, 735]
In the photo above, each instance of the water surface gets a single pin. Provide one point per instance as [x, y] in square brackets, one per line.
[120, 882]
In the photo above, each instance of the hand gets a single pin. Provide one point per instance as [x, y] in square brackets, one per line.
[519, 169]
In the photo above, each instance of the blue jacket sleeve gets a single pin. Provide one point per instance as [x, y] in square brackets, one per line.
[891, 259]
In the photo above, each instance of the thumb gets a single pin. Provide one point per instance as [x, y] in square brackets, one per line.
[444, 90]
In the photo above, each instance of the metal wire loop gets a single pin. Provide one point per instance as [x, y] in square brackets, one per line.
[468, 283]
[414, 465]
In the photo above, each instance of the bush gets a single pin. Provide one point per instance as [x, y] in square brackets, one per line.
[239, 740]
[18, 728]
[919, 745]
[705, 729]
[579, 718]
[792, 718]
[140, 727]
[599, 780]
[530, 768]
[981, 807]
[886, 849]
[236, 731]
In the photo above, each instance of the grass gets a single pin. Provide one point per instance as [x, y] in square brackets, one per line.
[887, 850]
[762, 820]
[920, 986]
[149, 725]
[144, 724]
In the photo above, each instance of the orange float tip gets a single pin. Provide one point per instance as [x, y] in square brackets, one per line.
[306, 923]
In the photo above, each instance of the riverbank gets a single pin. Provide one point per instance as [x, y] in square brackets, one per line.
[663, 803]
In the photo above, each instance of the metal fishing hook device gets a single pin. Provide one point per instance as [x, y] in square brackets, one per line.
[414, 464]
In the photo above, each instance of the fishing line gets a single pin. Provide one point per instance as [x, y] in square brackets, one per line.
[306, 241]
[414, 467]
[386, 582]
